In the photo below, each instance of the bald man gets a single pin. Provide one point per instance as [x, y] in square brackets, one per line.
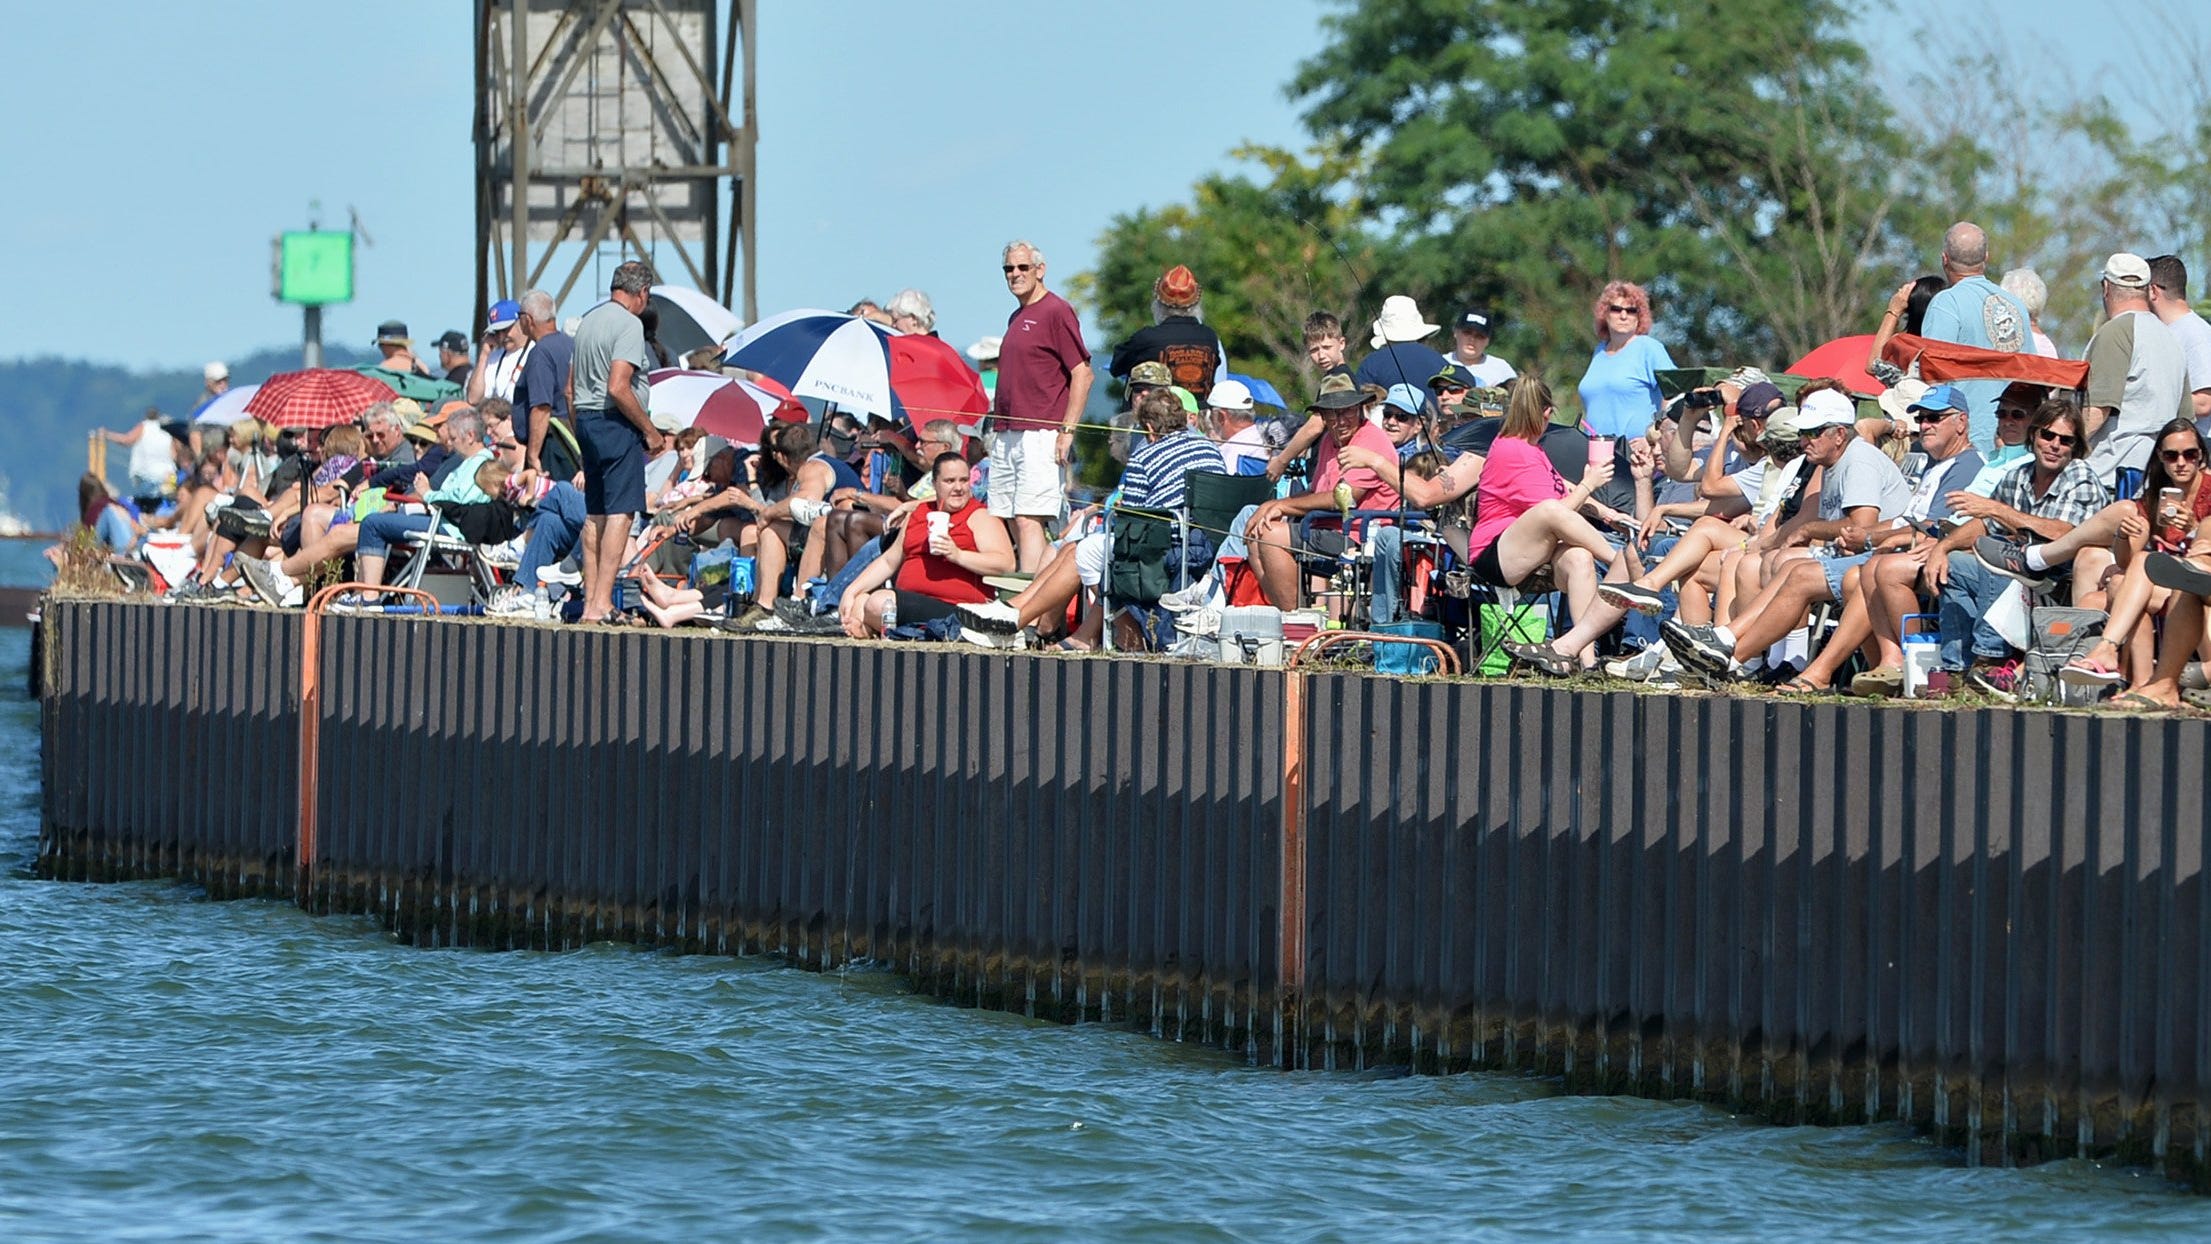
[1976, 311]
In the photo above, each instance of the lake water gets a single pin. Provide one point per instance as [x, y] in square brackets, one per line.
[175, 1068]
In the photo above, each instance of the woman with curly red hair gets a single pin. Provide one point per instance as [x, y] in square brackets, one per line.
[1619, 392]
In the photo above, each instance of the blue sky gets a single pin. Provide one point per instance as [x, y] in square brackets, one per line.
[152, 153]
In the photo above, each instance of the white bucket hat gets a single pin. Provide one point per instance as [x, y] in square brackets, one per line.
[1400, 321]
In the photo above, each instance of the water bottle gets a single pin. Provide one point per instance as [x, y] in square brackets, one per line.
[543, 605]
[890, 613]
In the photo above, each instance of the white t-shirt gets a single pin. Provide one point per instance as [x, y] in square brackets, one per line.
[1489, 373]
[2195, 346]
[504, 370]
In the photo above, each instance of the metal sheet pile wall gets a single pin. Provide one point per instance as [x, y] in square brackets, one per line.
[1073, 839]
[1990, 923]
[170, 744]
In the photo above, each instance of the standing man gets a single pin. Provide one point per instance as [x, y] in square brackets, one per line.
[217, 382]
[1976, 311]
[1470, 335]
[607, 391]
[499, 361]
[2169, 303]
[398, 350]
[1043, 382]
[1177, 337]
[453, 357]
[2137, 375]
[541, 394]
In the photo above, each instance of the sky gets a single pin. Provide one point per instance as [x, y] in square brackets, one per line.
[901, 145]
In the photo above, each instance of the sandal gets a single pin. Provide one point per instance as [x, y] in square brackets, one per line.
[1546, 659]
[2136, 702]
[1800, 685]
[2086, 671]
[1880, 683]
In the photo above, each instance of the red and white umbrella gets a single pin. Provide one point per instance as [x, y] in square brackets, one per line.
[737, 410]
[320, 397]
[933, 381]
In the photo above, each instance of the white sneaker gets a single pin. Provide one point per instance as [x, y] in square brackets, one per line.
[1641, 667]
[1196, 596]
[560, 573]
[511, 602]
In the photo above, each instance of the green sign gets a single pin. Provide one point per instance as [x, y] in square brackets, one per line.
[314, 268]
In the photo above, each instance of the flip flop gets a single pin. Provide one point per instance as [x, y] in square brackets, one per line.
[2082, 671]
[1801, 685]
[2136, 702]
[2178, 573]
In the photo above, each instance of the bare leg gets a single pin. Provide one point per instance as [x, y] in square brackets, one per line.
[1537, 537]
[775, 550]
[1892, 593]
[2183, 631]
[596, 606]
[1577, 572]
[1791, 594]
[2098, 531]
[1852, 632]
[1030, 543]
[2089, 566]
[1274, 563]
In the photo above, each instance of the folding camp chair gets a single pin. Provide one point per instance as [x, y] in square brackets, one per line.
[456, 571]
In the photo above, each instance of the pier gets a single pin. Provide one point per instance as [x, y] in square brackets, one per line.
[1810, 912]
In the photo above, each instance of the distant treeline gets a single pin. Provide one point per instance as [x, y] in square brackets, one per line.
[51, 404]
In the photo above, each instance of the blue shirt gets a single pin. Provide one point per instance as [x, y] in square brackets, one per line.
[1400, 362]
[1619, 392]
[543, 382]
[1154, 479]
[1978, 312]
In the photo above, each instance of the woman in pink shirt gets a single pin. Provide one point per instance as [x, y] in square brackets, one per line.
[1526, 518]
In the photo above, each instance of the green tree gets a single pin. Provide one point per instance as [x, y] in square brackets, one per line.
[1723, 154]
[1267, 253]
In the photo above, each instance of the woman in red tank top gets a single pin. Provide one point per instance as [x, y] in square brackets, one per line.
[939, 561]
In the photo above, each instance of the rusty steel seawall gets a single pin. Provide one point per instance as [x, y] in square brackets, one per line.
[1988, 923]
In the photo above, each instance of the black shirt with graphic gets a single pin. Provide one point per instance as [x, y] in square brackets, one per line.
[1191, 351]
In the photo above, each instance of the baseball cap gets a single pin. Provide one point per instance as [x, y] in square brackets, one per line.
[215, 371]
[393, 333]
[1476, 319]
[1151, 372]
[1188, 399]
[1453, 376]
[1757, 397]
[1337, 393]
[1825, 409]
[1230, 395]
[1941, 397]
[503, 315]
[1404, 397]
[2127, 271]
[451, 339]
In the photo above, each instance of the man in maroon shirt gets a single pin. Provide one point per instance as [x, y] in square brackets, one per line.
[1043, 381]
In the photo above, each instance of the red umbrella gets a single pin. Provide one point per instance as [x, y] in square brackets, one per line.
[933, 381]
[1842, 359]
[320, 397]
[723, 405]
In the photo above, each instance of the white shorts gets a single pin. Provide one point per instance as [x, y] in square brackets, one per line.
[1090, 559]
[1025, 475]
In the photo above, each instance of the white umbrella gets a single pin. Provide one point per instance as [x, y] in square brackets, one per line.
[838, 358]
[227, 407]
[689, 320]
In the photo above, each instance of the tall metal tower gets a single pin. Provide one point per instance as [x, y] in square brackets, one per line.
[615, 129]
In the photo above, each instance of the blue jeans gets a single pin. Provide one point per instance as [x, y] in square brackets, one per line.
[379, 532]
[551, 532]
[829, 594]
[1973, 588]
[1389, 568]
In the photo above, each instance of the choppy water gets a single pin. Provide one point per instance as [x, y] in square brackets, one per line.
[175, 1068]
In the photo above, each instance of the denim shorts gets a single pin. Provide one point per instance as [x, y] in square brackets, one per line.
[1836, 567]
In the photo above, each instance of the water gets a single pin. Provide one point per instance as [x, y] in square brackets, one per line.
[175, 1068]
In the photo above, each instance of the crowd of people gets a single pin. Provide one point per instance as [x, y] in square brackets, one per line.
[1772, 531]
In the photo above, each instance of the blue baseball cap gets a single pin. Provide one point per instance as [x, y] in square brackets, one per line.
[503, 315]
[1940, 397]
[1406, 398]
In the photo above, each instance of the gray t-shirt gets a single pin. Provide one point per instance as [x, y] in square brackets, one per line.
[607, 335]
[1863, 476]
[2136, 367]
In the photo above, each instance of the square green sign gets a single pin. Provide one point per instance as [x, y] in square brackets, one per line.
[314, 268]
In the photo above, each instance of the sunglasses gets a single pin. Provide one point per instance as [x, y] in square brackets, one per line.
[2181, 455]
[2057, 438]
[1449, 390]
[2005, 412]
[1616, 310]
[1012, 268]
[1394, 415]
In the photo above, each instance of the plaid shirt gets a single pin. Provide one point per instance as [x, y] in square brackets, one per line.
[2073, 496]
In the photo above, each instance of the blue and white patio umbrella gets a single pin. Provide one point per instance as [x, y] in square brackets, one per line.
[823, 354]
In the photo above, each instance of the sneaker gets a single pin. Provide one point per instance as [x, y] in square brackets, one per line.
[992, 617]
[1995, 678]
[1196, 596]
[793, 613]
[269, 581]
[511, 602]
[1628, 596]
[356, 602]
[1642, 667]
[771, 625]
[1700, 651]
[2009, 559]
[563, 574]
